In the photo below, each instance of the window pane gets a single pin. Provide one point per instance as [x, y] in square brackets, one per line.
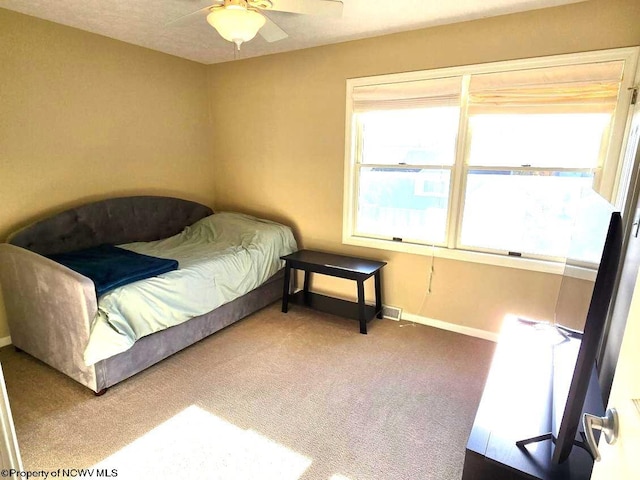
[415, 137]
[589, 230]
[405, 203]
[539, 140]
[526, 212]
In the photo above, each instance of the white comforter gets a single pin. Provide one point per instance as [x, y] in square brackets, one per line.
[221, 258]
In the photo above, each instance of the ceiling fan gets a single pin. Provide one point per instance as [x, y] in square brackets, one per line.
[239, 21]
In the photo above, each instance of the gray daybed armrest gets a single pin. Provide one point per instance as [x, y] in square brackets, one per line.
[49, 310]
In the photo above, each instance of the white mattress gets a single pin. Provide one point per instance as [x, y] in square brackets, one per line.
[221, 257]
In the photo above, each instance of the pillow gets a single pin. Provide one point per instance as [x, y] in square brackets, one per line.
[111, 267]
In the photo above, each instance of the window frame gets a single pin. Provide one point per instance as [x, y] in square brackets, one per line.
[608, 177]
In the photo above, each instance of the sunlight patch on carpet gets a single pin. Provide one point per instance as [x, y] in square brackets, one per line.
[198, 444]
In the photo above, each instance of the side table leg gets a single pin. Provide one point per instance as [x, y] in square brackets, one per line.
[361, 311]
[307, 278]
[286, 287]
[378, 283]
[305, 288]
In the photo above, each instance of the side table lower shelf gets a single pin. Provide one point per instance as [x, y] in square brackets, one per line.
[334, 306]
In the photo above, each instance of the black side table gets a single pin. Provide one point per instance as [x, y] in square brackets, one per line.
[351, 268]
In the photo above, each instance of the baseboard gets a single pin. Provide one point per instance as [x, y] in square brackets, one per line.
[4, 341]
[452, 327]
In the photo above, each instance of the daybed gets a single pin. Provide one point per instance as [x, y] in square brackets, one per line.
[52, 310]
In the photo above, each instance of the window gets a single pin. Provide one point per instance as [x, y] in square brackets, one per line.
[404, 175]
[491, 158]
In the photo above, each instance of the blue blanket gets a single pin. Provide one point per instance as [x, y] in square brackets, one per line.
[111, 267]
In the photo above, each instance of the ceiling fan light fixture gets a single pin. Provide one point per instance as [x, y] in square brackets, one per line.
[236, 24]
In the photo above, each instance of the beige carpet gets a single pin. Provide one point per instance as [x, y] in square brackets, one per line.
[275, 396]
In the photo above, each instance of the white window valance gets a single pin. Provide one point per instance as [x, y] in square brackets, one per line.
[572, 88]
[407, 95]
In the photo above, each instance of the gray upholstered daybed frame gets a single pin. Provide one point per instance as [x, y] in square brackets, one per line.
[50, 307]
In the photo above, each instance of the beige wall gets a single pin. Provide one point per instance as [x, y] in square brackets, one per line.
[278, 131]
[84, 117]
[574, 302]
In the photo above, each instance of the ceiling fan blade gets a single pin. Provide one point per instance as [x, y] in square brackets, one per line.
[189, 17]
[330, 8]
[272, 32]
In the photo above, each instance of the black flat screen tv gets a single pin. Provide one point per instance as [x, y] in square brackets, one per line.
[569, 401]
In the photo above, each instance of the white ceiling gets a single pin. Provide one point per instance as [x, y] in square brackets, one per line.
[145, 22]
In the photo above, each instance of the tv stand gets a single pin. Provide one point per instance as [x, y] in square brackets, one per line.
[509, 438]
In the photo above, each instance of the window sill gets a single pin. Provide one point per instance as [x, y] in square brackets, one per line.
[520, 263]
